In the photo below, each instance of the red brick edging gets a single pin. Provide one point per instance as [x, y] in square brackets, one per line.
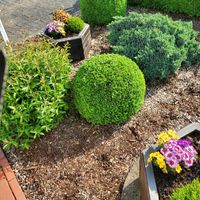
[9, 186]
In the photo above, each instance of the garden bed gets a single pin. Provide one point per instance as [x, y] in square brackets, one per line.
[78, 160]
[166, 183]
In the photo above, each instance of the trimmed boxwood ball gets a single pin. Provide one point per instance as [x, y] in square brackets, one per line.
[75, 24]
[102, 11]
[109, 89]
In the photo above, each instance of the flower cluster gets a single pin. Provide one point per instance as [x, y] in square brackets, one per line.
[56, 29]
[173, 153]
[63, 23]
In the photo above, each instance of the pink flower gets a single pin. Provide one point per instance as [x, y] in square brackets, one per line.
[178, 157]
[170, 144]
[189, 162]
[186, 156]
[190, 150]
[172, 162]
[177, 150]
[169, 155]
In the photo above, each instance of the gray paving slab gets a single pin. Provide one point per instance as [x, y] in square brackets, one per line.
[22, 18]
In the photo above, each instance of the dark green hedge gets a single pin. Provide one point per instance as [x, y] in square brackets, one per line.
[108, 89]
[102, 11]
[189, 7]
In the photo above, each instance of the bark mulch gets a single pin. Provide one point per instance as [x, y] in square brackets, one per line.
[80, 161]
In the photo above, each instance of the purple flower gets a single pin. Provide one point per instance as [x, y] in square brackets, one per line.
[56, 28]
[183, 143]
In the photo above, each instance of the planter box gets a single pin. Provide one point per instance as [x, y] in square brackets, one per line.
[147, 179]
[79, 44]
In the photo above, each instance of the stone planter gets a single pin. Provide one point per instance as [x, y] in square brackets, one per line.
[79, 44]
[147, 179]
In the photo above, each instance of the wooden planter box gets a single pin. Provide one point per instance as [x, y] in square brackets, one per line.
[79, 44]
[147, 179]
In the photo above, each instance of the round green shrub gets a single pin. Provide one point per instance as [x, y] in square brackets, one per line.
[108, 89]
[187, 192]
[35, 95]
[157, 43]
[75, 24]
[102, 11]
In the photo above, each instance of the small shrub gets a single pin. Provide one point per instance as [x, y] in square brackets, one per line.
[75, 24]
[155, 42]
[108, 89]
[102, 11]
[61, 16]
[187, 192]
[34, 100]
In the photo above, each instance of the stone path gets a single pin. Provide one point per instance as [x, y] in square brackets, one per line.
[22, 18]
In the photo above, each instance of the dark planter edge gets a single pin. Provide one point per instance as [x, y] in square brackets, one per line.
[79, 44]
[147, 169]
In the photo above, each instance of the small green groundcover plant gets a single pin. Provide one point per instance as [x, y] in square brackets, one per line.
[64, 24]
[102, 11]
[190, 7]
[157, 43]
[35, 94]
[75, 24]
[188, 192]
[108, 89]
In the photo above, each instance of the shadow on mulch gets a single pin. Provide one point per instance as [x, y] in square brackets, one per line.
[73, 137]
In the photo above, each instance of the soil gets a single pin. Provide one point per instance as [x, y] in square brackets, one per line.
[166, 183]
[81, 161]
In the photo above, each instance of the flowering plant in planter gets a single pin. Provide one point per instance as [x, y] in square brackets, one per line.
[173, 153]
[64, 25]
[56, 29]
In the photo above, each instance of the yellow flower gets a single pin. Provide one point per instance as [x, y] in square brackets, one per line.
[161, 163]
[164, 170]
[173, 134]
[178, 169]
[163, 138]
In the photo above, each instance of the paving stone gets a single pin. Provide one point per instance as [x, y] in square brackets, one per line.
[23, 18]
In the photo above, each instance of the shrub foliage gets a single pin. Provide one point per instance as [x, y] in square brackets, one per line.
[155, 42]
[102, 11]
[75, 24]
[190, 7]
[189, 191]
[34, 99]
[108, 89]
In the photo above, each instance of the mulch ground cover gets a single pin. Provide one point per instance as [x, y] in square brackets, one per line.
[81, 161]
[167, 183]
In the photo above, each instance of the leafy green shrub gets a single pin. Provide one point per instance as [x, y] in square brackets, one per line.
[187, 192]
[35, 95]
[155, 42]
[108, 88]
[75, 24]
[102, 11]
[190, 7]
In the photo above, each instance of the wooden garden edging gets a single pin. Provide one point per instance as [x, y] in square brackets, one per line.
[9, 186]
